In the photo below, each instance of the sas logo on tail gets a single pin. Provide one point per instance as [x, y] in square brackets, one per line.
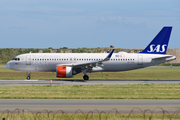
[157, 48]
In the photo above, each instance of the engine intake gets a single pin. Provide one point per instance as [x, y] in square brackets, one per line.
[63, 72]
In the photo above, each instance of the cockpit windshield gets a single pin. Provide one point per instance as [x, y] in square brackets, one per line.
[17, 59]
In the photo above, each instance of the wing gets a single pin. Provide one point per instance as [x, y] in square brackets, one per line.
[88, 65]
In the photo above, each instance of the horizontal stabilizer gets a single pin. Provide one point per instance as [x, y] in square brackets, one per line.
[163, 57]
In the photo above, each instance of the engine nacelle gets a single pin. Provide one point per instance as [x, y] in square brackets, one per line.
[63, 72]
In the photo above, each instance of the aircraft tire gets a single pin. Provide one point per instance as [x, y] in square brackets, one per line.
[28, 77]
[86, 77]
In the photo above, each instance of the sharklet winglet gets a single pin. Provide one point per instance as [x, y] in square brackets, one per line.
[109, 56]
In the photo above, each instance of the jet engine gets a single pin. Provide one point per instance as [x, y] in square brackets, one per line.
[63, 72]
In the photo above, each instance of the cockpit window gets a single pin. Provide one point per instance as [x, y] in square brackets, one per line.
[16, 59]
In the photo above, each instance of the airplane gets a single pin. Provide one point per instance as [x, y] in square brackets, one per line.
[68, 64]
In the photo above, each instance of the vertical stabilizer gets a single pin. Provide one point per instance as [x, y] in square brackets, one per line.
[160, 43]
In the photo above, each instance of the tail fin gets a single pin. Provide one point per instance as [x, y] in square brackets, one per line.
[160, 43]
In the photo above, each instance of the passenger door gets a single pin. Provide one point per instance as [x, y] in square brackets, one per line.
[28, 60]
[140, 60]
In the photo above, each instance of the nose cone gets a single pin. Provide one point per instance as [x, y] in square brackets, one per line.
[8, 65]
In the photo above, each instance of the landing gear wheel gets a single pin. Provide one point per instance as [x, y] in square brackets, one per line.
[86, 77]
[28, 77]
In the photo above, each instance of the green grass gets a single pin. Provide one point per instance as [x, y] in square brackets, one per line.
[90, 116]
[150, 73]
[137, 91]
[81, 116]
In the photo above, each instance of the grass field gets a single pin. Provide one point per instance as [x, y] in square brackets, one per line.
[150, 73]
[90, 116]
[146, 91]
[137, 91]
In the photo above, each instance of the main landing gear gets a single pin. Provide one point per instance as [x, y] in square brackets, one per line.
[86, 77]
[29, 77]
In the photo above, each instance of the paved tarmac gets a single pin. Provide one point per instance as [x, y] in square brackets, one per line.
[81, 82]
[86, 105]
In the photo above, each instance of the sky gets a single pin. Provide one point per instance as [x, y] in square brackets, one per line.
[86, 23]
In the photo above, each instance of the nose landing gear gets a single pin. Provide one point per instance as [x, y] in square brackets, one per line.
[29, 77]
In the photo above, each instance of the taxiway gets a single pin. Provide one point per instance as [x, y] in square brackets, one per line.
[81, 82]
[86, 105]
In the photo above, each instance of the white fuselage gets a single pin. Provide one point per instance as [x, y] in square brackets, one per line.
[119, 61]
